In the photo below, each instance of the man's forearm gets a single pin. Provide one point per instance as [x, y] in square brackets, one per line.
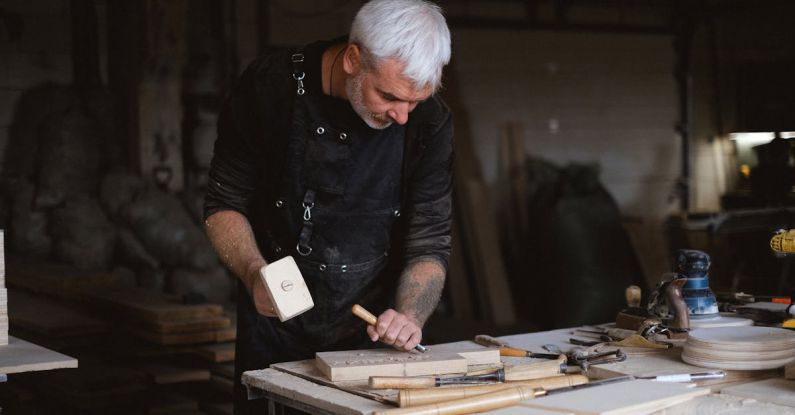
[419, 289]
[231, 235]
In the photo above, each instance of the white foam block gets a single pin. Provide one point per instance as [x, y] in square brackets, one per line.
[287, 288]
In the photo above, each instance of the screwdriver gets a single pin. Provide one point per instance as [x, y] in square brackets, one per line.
[370, 319]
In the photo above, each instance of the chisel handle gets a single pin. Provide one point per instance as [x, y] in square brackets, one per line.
[371, 319]
[416, 397]
[480, 403]
[363, 314]
[401, 382]
[537, 370]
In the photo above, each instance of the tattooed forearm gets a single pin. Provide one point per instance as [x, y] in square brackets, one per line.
[420, 288]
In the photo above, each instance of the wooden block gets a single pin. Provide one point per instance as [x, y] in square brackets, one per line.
[188, 325]
[169, 374]
[777, 390]
[630, 397]
[221, 352]
[287, 288]
[361, 364]
[169, 339]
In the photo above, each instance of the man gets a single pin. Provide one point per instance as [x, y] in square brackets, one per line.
[340, 155]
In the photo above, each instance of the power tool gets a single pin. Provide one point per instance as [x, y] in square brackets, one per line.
[783, 245]
[694, 265]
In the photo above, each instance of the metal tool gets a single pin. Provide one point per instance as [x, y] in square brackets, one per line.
[586, 360]
[371, 319]
[686, 377]
[506, 350]
[528, 371]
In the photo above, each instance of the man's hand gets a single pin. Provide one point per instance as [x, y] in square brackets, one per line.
[397, 330]
[262, 300]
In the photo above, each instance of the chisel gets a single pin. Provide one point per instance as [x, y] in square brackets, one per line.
[519, 372]
[491, 400]
[416, 397]
[506, 350]
[370, 319]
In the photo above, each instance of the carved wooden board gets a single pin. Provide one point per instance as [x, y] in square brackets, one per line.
[361, 364]
[631, 397]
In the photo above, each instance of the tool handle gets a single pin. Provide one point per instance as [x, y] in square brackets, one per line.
[363, 314]
[513, 352]
[537, 370]
[632, 295]
[480, 403]
[401, 382]
[486, 340]
[416, 397]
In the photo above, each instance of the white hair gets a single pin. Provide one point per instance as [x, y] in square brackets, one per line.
[412, 31]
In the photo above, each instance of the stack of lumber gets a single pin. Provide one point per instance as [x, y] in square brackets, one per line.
[3, 294]
[740, 348]
[160, 318]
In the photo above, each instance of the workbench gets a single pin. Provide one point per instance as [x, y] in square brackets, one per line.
[285, 386]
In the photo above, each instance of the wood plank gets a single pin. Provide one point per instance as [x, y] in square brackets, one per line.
[727, 404]
[486, 257]
[777, 390]
[163, 374]
[54, 279]
[631, 397]
[187, 325]
[221, 352]
[145, 305]
[306, 369]
[361, 364]
[20, 356]
[310, 393]
[170, 339]
[49, 318]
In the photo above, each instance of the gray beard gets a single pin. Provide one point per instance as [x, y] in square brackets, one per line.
[353, 87]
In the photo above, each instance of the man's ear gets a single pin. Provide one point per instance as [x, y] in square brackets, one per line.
[352, 59]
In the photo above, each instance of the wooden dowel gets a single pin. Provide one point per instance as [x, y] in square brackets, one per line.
[401, 382]
[416, 397]
[536, 370]
[480, 403]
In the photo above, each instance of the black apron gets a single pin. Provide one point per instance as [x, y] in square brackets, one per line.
[337, 204]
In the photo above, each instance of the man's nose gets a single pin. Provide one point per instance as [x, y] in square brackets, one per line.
[399, 113]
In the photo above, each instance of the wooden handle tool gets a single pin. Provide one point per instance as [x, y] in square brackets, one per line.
[632, 295]
[416, 397]
[529, 371]
[371, 319]
[491, 400]
[506, 350]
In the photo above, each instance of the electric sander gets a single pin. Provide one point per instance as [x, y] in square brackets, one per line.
[693, 265]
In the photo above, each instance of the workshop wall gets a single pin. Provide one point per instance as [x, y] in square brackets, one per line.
[30, 55]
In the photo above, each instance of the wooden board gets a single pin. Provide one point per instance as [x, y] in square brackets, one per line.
[20, 356]
[727, 404]
[361, 364]
[141, 304]
[631, 397]
[218, 353]
[310, 393]
[170, 339]
[188, 325]
[55, 279]
[46, 317]
[162, 374]
[722, 320]
[777, 390]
